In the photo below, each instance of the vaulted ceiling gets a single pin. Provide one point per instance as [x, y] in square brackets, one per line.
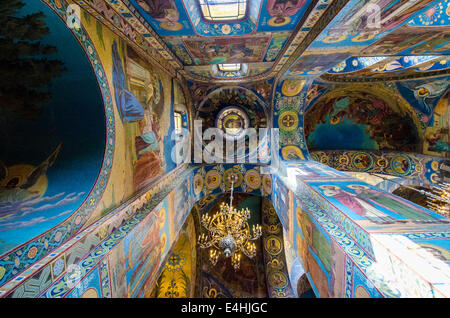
[361, 38]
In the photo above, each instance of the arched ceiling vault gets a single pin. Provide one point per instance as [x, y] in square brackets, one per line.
[286, 38]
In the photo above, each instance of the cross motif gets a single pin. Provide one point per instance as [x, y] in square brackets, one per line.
[288, 120]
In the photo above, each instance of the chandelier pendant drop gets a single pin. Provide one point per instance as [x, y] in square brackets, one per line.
[229, 233]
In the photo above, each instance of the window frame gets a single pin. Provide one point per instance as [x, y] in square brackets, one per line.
[221, 64]
[180, 115]
[247, 6]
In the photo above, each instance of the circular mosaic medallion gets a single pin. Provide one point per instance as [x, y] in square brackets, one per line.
[273, 245]
[343, 160]
[288, 120]
[198, 184]
[435, 165]
[382, 162]
[362, 161]
[235, 174]
[401, 165]
[212, 179]
[252, 179]
[278, 280]
[232, 122]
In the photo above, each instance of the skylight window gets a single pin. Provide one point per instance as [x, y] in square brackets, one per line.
[229, 67]
[223, 10]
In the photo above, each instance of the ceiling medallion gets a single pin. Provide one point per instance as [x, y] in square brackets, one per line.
[232, 122]
[228, 233]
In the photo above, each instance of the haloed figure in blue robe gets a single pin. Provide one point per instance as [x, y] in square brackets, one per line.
[130, 109]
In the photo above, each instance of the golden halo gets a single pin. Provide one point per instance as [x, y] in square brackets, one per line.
[329, 187]
[435, 165]
[434, 178]
[445, 253]
[299, 244]
[175, 27]
[292, 87]
[362, 38]
[90, 293]
[298, 214]
[272, 22]
[162, 218]
[334, 120]
[163, 241]
[21, 172]
[357, 186]
[333, 39]
[252, 179]
[361, 292]
[288, 150]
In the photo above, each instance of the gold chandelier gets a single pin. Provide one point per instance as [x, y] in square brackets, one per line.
[229, 233]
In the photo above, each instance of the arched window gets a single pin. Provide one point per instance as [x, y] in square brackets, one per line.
[178, 121]
[223, 10]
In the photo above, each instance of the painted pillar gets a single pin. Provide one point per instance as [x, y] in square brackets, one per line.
[355, 240]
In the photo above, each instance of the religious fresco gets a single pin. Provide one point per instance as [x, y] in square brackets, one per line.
[356, 24]
[439, 248]
[322, 223]
[47, 138]
[354, 64]
[349, 118]
[283, 202]
[387, 68]
[227, 50]
[437, 133]
[178, 276]
[116, 66]
[89, 287]
[374, 209]
[277, 43]
[279, 280]
[289, 103]
[143, 250]
[234, 106]
[408, 40]
[430, 100]
[315, 64]
[144, 98]
[320, 255]
[124, 248]
[167, 17]
[279, 15]
[417, 168]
